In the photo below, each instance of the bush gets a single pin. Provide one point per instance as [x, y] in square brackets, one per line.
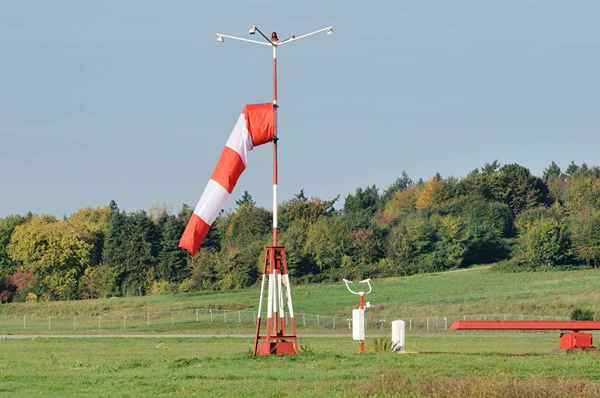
[585, 228]
[546, 243]
[31, 298]
[187, 285]
[161, 287]
[579, 314]
[98, 282]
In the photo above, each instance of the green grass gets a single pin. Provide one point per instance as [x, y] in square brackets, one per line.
[441, 364]
[448, 365]
[479, 290]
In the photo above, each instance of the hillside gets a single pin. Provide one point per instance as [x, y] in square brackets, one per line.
[479, 290]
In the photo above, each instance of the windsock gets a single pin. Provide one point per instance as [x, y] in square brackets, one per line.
[255, 126]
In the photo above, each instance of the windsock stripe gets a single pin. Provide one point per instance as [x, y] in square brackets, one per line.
[239, 139]
[194, 234]
[228, 169]
[211, 202]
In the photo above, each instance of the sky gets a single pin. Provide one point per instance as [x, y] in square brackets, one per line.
[134, 100]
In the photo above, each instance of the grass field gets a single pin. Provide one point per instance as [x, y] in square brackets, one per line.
[494, 365]
[478, 290]
[442, 364]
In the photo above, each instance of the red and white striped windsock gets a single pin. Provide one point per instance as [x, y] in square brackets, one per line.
[255, 127]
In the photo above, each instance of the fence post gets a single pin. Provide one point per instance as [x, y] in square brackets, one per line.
[172, 319]
[446, 323]
[99, 321]
[125, 322]
[410, 324]
[239, 316]
[147, 317]
[317, 320]
[197, 316]
[49, 323]
[224, 316]
[303, 319]
[74, 326]
[211, 316]
[334, 322]
[427, 324]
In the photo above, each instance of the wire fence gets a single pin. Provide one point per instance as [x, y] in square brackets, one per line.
[191, 319]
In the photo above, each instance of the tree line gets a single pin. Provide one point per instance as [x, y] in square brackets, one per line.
[496, 214]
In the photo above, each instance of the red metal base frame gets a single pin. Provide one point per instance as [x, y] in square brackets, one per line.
[287, 346]
[276, 341]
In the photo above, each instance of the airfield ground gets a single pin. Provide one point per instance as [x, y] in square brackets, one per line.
[442, 365]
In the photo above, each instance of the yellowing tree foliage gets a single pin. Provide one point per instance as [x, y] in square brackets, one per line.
[54, 252]
[432, 194]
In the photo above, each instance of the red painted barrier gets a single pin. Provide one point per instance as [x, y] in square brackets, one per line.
[525, 325]
[570, 337]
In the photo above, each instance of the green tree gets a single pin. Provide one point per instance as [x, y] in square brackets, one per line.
[246, 200]
[401, 183]
[327, 241]
[172, 262]
[139, 250]
[585, 228]
[360, 207]
[7, 226]
[90, 225]
[408, 242]
[552, 171]
[53, 252]
[512, 184]
[582, 192]
[545, 244]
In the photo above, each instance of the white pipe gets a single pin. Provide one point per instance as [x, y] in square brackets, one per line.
[280, 296]
[260, 300]
[270, 297]
[286, 282]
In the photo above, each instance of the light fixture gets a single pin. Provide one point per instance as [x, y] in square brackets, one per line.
[220, 38]
[329, 31]
[252, 29]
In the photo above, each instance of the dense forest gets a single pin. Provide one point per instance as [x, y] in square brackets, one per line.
[496, 214]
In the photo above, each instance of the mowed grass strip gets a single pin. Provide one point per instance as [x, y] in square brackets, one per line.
[480, 365]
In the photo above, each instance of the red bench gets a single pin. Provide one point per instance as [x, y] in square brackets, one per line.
[570, 331]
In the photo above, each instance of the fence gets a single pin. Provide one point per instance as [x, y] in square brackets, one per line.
[191, 319]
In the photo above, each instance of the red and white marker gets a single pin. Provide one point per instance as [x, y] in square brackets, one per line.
[358, 315]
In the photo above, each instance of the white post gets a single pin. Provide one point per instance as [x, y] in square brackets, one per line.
[398, 335]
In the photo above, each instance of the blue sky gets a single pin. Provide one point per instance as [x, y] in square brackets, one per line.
[133, 100]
